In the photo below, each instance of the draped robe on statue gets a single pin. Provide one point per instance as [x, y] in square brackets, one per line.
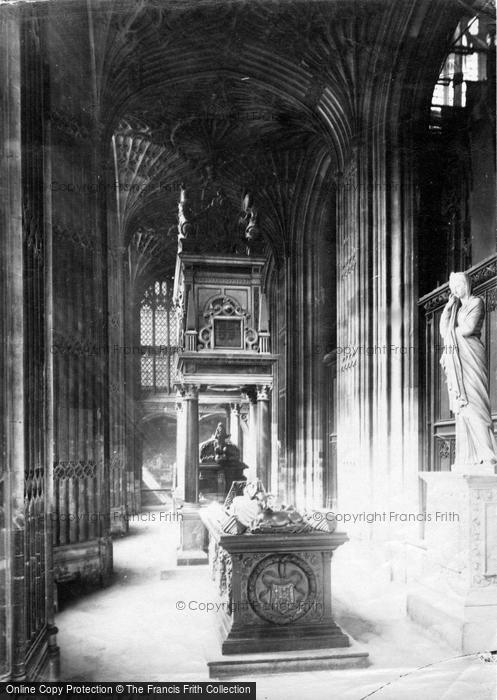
[464, 362]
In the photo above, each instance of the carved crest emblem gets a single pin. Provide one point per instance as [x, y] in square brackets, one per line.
[282, 594]
[282, 588]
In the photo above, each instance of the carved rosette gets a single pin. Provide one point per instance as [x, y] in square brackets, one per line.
[282, 588]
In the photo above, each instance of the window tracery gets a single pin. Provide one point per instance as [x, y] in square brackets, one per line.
[159, 336]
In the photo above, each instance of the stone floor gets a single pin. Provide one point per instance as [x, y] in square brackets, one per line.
[134, 631]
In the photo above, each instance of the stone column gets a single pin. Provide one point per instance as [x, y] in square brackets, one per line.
[117, 399]
[28, 646]
[264, 435]
[187, 447]
[250, 440]
[179, 476]
[13, 604]
[192, 531]
[235, 426]
[227, 412]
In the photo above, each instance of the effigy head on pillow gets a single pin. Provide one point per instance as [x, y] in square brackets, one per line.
[254, 511]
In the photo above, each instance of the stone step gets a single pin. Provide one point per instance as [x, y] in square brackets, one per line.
[235, 665]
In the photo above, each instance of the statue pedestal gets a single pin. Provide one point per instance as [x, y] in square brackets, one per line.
[486, 469]
[275, 589]
[457, 595]
[216, 478]
[193, 537]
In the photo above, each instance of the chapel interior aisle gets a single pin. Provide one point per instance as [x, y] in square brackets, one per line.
[133, 631]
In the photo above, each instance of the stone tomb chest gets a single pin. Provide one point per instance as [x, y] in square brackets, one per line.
[274, 587]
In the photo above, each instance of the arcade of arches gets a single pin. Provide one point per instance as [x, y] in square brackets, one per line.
[335, 160]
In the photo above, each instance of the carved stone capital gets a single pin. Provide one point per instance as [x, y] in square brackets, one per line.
[189, 391]
[250, 393]
[235, 409]
[263, 392]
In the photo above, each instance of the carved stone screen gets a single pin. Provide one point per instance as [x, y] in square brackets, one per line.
[227, 333]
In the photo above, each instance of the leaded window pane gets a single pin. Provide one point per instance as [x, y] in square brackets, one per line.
[147, 371]
[159, 333]
[146, 325]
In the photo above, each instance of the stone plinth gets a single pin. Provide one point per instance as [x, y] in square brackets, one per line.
[275, 589]
[89, 561]
[216, 478]
[457, 595]
[258, 664]
[193, 537]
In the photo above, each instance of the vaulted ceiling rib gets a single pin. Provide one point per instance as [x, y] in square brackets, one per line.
[246, 95]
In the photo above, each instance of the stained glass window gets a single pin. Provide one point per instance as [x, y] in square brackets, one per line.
[159, 328]
[465, 63]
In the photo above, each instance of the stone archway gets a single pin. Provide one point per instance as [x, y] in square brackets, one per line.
[158, 464]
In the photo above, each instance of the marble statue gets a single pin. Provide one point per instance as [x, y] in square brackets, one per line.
[464, 363]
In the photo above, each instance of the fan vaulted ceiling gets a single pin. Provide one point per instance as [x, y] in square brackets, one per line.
[265, 96]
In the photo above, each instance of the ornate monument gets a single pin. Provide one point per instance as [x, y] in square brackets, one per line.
[465, 366]
[225, 337]
[225, 353]
[457, 572]
[272, 566]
